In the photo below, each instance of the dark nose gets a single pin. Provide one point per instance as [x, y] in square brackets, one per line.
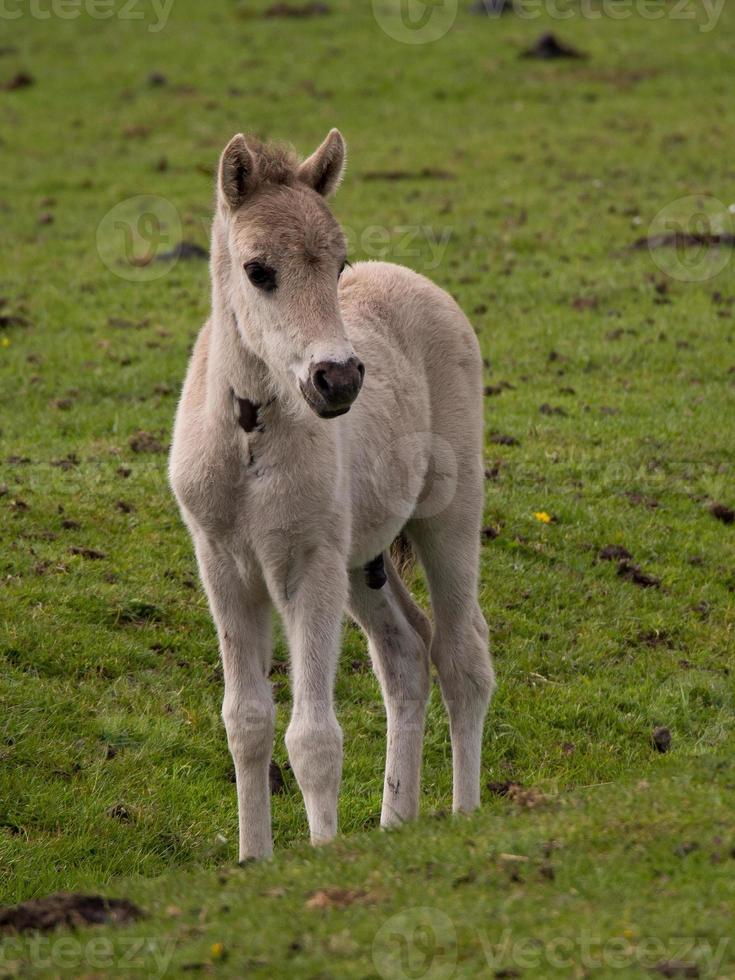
[337, 384]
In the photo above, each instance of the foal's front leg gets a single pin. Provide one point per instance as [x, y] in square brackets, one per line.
[314, 594]
[242, 614]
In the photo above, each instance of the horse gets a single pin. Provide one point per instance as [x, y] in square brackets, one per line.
[327, 409]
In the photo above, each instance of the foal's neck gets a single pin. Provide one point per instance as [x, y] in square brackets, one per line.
[232, 367]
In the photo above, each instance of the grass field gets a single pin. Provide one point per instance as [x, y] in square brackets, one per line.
[518, 185]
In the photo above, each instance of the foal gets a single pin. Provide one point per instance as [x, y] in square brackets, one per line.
[325, 410]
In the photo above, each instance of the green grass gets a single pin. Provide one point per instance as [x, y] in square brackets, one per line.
[109, 679]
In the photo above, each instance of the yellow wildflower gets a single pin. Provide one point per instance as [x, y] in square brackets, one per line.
[217, 951]
[542, 516]
[5, 342]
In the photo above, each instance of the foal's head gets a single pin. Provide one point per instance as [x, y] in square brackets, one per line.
[278, 255]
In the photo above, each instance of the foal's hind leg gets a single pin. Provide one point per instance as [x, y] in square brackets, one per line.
[448, 546]
[398, 635]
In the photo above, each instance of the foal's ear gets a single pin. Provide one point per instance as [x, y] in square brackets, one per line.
[236, 178]
[323, 170]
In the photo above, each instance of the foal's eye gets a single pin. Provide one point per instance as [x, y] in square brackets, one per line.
[261, 276]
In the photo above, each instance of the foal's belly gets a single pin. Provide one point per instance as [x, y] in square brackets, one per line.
[390, 461]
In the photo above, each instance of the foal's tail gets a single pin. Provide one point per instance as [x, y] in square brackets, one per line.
[403, 556]
[399, 566]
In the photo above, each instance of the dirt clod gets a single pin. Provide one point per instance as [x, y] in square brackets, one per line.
[184, 250]
[680, 239]
[21, 79]
[614, 552]
[636, 575]
[661, 738]
[676, 968]
[120, 812]
[336, 898]
[493, 8]
[90, 553]
[525, 797]
[146, 442]
[503, 440]
[68, 910]
[549, 46]
[297, 10]
[547, 409]
[722, 513]
[425, 173]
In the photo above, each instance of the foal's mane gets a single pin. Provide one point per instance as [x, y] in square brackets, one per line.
[277, 163]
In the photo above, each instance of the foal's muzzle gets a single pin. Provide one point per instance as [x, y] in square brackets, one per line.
[332, 388]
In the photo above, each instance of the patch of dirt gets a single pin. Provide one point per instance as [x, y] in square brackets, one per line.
[493, 8]
[676, 968]
[22, 79]
[654, 639]
[661, 738]
[184, 250]
[67, 910]
[548, 46]
[641, 500]
[547, 409]
[426, 173]
[614, 552]
[67, 463]
[120, 812]
[503, 440]
[337, 898]
[722, 513]
[636, 575]
[489, 533]
[8, 320]
[298, 10]
[580, 303]
[89, 553]
[680, 239]
[146, 442]
[69, 524]
[527, 798]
